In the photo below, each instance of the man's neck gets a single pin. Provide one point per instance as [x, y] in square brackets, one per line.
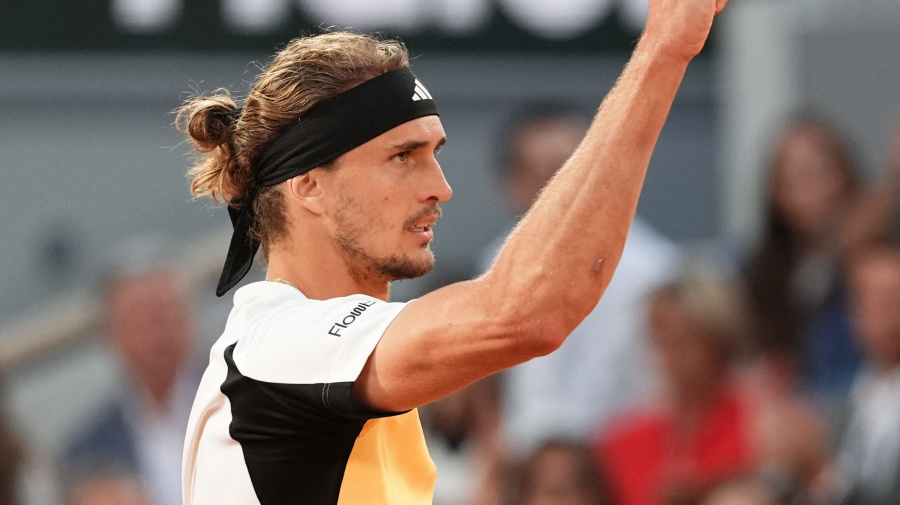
[321, 276]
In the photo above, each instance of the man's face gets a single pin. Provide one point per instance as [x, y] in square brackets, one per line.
[382, 200]
[809, 186]
[688, 358]
[537, 151]
[149, 325]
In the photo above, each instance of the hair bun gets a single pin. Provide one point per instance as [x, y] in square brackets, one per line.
[209, 120]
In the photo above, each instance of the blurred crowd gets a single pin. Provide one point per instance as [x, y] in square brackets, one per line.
[768, 378]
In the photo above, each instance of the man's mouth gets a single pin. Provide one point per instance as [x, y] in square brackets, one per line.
[424, 222]
[424, 227]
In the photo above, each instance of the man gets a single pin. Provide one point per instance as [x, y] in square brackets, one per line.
[601, 368]
[311, 391]
[869, 455]
[149, 326]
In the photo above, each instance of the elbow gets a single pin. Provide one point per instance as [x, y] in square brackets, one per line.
[549, 339]
[542, 333]
[558, 326]
[537, 321]
[550, 322]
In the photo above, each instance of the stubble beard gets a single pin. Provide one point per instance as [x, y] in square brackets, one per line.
[391, 268]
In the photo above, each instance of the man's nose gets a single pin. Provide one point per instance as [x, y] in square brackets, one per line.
[437, 188]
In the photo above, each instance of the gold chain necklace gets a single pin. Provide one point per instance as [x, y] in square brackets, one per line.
[285, 282]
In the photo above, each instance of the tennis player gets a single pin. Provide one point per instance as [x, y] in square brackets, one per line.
[311, 392]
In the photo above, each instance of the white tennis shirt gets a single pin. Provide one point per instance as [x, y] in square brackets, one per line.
[273, 422]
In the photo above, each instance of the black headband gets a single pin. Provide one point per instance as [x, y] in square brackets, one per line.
[328, 130]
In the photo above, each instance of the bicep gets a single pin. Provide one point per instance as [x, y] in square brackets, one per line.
[440, 343]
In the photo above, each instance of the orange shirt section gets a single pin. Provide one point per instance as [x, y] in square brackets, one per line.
[389, 464]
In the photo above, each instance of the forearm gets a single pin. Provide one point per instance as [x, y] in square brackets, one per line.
[565, 250]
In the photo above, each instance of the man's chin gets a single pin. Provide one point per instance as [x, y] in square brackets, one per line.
[399, 268]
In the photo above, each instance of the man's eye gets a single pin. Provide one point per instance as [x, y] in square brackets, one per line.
[437, 151]
[402, 157]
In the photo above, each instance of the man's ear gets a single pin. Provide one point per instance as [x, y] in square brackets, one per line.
[306, 190]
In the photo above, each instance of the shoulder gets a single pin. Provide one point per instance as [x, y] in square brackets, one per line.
[335, 317]
[268, 309]
[274, 299]
[281, 335]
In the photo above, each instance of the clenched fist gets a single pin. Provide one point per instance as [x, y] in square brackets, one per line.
[680, 27]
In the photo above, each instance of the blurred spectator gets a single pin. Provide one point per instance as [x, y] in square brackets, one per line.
[817, 216]
[149, 325]
[869, 456]
[790, 437]
[109, 489]
[557, 473]
[875, 218]
[599, 369]
[463, 436]
[700, 434]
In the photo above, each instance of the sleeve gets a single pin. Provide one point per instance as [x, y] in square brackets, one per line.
[307, 354]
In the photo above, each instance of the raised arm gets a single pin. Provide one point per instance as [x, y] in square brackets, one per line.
[556, 264]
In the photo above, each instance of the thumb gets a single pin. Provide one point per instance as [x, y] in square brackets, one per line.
[720, 4]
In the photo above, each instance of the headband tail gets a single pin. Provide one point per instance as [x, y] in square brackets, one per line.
[241, 251]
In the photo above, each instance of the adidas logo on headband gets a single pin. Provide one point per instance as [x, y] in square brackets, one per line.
[421, 93]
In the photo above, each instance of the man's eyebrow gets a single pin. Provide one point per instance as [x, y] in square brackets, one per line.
[412, 145]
